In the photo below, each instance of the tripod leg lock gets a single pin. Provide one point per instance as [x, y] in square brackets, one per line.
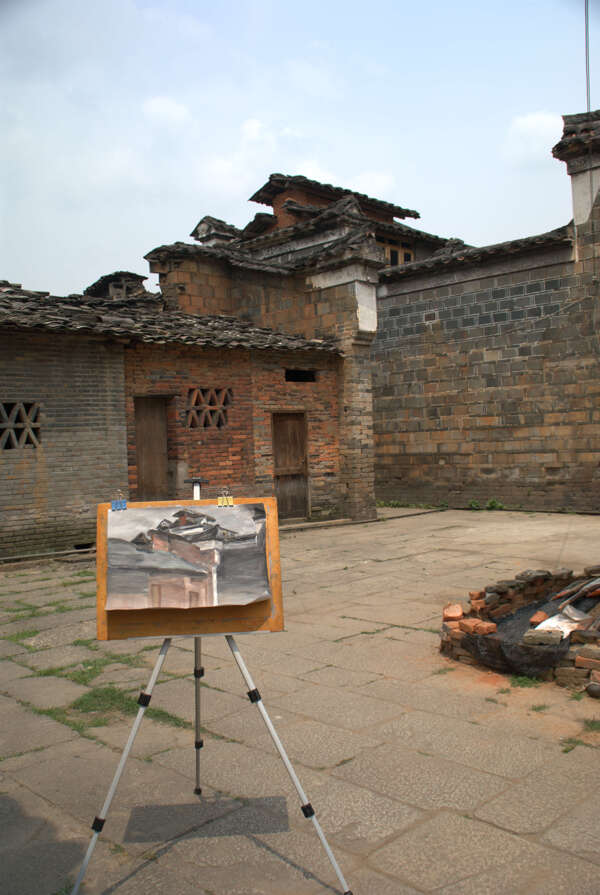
[98, 824]
[308, 810]
[144, 699]
[199, 672]
[254, 695]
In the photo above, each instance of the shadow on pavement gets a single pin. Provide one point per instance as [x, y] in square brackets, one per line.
[32, 857]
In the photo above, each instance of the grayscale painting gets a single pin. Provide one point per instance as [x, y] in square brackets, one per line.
[179, 557]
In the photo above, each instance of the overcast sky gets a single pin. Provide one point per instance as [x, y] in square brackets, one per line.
[125, 121]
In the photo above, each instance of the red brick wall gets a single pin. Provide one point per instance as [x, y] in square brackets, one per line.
[239, 455]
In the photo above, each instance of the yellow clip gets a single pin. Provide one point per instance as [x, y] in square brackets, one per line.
[230, 501]
[220, 501]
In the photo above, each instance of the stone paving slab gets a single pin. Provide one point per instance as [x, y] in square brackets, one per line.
[496, 806]
[45, 692]
[177, 696]
[23, 731]
[336, 707]
[507, 756]
[424, 781]
[578, 832]
[11, 671]
[58, 657]
[535, 803]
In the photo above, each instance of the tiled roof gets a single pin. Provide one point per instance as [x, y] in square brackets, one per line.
[581, 133]
[279, 182]
[101, 285]
[142, 319]
[458, 257]
[227, 253]
[209, 227]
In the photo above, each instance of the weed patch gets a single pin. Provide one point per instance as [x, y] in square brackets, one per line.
[539, 708]
[19, 636]
[521, 680]
[591, 725]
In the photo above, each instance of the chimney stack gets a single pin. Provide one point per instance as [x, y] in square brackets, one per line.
[579, 147]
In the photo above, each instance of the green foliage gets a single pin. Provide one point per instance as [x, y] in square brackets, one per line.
[539, 708]
[494, 504]
[474, 505]
[106, 699]
[569, 743]
[521, 680]
[19, 636]
[591, 725]
[112, 700]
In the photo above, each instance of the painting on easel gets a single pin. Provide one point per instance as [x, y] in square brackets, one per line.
[185, 558]
[188, 567]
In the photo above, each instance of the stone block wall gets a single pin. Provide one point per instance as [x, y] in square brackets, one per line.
[486, 384]
[239, 455]
[50, 492]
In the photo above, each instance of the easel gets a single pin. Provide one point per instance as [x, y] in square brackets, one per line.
[254, 697]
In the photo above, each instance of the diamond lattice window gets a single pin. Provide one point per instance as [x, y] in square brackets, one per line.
[207, 407]
[19, 424]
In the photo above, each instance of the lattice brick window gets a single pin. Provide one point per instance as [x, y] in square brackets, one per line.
[19, 424]
[207, 407]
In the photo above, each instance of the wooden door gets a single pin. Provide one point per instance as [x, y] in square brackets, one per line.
[151, 448]
[290, 464]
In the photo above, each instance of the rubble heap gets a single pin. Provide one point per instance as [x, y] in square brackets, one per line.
[543, 624]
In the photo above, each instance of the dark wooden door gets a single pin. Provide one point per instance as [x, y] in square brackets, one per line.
[151, 448]
[290, 464]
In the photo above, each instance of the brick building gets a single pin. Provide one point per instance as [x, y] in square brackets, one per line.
[106, 397]
[325, 353]
[486, 362]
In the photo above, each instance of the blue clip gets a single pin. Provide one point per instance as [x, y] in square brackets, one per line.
[118, 504]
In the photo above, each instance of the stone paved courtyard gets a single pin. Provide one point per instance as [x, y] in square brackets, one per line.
[427, 776]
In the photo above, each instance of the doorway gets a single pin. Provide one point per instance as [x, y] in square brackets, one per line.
[151, 448]
[290, 464]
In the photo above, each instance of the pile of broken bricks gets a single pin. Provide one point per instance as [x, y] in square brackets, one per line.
[578, 667]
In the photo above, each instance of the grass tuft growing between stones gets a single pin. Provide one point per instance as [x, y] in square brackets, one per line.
[569, 743]
[111, 700]
[521, 680]
[20, 636]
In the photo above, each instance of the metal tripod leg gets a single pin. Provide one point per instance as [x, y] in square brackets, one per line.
[307, 809]
[198, 675]
[144, 700]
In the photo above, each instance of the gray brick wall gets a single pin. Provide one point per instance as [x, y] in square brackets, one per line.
[486, 385]
[49, 493]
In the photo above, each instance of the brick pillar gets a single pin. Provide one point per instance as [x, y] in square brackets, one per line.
[350, 294]
[357, 472]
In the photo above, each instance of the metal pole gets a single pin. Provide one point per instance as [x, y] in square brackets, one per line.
[198, 672]
[143, 701]
[307, 808]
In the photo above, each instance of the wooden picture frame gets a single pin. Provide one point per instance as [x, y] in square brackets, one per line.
[262, 615]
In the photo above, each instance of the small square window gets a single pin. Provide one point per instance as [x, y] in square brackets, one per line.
[207, 407]
[19, 425]
[300, 376]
